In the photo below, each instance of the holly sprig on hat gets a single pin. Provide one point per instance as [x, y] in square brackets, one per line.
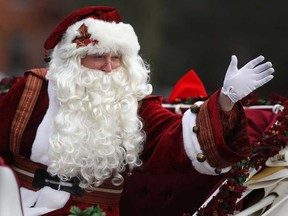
[84, 38]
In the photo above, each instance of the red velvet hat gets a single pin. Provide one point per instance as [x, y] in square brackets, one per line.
[90, 30]
[189, 85]
[108, 14]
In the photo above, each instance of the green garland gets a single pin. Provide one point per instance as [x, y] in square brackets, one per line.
[6, 84]
[91, 211]
[269, 145]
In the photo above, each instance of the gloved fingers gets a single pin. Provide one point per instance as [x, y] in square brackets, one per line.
[264, 74]
[264, 81]
[251, 64]
[263, 67]
[233, 62]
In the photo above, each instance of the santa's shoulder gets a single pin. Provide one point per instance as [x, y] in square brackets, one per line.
[153, 98]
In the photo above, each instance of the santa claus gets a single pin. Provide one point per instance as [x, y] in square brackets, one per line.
[99, 138]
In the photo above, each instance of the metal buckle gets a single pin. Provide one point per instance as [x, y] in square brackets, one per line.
[43, 178]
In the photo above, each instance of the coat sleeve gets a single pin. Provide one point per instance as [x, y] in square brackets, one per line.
[195, 139]
[163, 150]
[222, 137]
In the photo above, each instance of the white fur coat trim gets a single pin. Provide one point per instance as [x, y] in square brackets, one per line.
[40, 145]
[192, 146]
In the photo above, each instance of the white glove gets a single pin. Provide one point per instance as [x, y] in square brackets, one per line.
[238, 83]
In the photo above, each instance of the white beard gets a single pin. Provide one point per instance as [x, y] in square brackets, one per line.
[97, 131]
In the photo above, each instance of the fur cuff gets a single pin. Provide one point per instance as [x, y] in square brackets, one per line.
[192, 146]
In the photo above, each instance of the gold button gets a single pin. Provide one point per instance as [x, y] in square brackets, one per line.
[201, 157]
[195, 129]
[218, 170]
[194, 108]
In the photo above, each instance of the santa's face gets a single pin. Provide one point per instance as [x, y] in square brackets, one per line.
[105, 62]
[97, 131]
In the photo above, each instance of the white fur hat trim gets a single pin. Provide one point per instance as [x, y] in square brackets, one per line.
[112, 37]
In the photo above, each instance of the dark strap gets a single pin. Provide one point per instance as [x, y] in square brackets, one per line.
[43, 178]
[32, 179]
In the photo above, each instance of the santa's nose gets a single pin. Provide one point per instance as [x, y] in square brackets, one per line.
[107, 66]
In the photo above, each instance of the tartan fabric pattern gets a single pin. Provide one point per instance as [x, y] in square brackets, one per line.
[235, 121]
[218, 146]
[25, 107]
[206, 138]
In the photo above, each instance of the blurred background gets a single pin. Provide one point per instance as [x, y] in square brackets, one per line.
[175, 36]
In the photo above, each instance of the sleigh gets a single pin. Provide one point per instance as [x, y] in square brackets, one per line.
[257, 185]
[9, 192]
